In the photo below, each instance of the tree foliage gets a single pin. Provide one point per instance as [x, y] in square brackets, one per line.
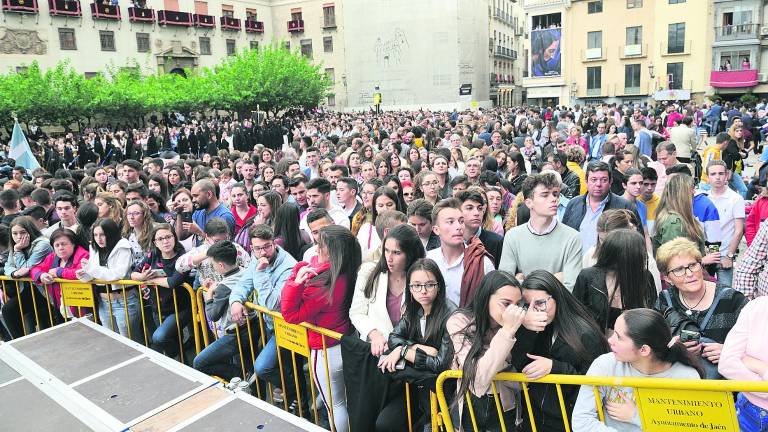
[270, 78]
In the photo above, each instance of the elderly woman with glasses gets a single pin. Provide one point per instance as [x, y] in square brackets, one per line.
[697, 310]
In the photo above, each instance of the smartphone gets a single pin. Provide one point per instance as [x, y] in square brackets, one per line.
[158, 273]
[712, 248]
[400, 365]
[186, 216]
[689, 336]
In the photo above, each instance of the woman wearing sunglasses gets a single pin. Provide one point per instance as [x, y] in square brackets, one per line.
[569, 343]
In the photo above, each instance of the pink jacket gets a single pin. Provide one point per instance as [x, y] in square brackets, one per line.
[66, 272]
[749, 337]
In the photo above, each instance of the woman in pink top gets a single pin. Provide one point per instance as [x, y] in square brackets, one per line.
[575, 138]
[745, 358]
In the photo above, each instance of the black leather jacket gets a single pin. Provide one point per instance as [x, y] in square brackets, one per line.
[424, 362]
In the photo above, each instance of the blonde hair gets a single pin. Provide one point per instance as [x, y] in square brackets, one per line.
[115, 206]
[680, 246]
[677, 199]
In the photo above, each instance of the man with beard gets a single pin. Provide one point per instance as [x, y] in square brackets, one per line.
[319, 197]
[207, 206]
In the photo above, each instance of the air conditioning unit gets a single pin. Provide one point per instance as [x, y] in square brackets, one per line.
[761, 77]
[764, 31]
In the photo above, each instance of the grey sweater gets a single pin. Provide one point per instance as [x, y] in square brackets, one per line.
[557, 251]
[585, 412]
[217, 308]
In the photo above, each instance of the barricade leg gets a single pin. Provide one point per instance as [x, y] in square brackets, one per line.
[166, 337]
[328, 374]
[123, 315]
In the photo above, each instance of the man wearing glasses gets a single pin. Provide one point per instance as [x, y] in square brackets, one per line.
[262, 282]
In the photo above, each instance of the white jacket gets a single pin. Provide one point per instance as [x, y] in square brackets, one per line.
[118, 265]
[368, 314]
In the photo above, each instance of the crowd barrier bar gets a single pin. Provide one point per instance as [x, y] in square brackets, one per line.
[89, 298]
[720, 386]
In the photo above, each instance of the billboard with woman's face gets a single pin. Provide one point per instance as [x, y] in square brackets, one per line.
[545, 45]
[545, 52]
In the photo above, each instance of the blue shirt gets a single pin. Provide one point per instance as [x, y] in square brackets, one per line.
[705, 211]
[588, 227]
[642, 210]
[644, 142]
[201, 218]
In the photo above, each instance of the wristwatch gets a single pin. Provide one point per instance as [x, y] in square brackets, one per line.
[730, 255]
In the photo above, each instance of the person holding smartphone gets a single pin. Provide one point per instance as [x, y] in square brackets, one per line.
[694, 306]
[158, 268]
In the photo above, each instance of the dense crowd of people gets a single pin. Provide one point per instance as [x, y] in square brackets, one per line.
[599, 240]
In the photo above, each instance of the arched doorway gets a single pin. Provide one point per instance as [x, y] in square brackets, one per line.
[179, 71]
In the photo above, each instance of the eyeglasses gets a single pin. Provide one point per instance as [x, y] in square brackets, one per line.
[432, 183]
[429, 287]
[133, 214]
[262, 248]
[680, 271]
[407, 193]
[164, 238]
[539, 305]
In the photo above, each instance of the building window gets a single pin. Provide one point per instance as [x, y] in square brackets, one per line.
[594, 7]
[328, 44]
[255, 45]
[634, 35]
[67, 39]
[205, 46]
[306, 48]
[631, 4]
[295, 16]
[594, 39]
[329, 16]
[594, 80]
[287, 45]
[89, 75]
[675, 76]
[231, 47]
[331, 100]
[632, 78]
[331, 74]
[676, 38]
[22, 69]
[735, 60]
[676, 1]
[142, 42]
[107, 39]
[227, 11]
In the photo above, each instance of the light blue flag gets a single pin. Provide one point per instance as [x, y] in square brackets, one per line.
[20, 151]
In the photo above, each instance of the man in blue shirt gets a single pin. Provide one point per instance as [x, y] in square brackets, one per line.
[596, 143]
[713, 117]
[205, 196]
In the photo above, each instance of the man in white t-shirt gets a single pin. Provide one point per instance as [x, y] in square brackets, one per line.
[319, 196]
[730, 206]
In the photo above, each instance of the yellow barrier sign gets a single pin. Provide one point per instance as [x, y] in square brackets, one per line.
[77, 294]
[292, 337]
[685, 410]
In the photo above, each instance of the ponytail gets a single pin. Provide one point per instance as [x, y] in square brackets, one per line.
[678, 353]
[648, 327]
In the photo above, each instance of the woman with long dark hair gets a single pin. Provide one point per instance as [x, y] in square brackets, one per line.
[420, 340]
[641, 347]
[568, 344]
[158, 267]
[379, 293]
[517, 171]
[110, 260]
[483, 337]
[385, 198]
[620, 279]
[364, 215]
[27, 248]
[320, 293]
[287, 233]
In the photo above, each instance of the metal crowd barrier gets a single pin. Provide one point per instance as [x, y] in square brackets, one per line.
[80, 298]
[293, 338]
[663, 404]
